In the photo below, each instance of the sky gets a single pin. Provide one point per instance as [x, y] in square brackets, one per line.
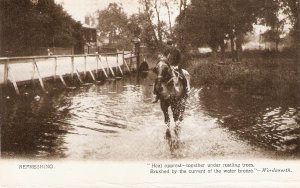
[78, 9]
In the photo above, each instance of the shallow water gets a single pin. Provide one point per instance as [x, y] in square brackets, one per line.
[117, 121]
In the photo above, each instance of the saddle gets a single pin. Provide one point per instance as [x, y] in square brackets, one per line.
[181, 75]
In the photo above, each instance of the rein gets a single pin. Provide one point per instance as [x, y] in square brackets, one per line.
[172, 78]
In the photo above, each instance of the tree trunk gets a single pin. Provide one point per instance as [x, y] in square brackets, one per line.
[159, 32]
[239, 48]
[232, 48]
[277, 37]
[276, 45]
[148, 13]
[239, 51]
[222, 45]
[181, 18]
[214, 52]
[169, 16]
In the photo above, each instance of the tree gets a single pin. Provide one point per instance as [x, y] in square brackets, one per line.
[152, 11]
[148, 15]
[147, 34]
[113, 26]
[15, 18]
[29, 25]
[201, 24]
[210, 22]
[291, 8]
[179, 26]
[166, 4]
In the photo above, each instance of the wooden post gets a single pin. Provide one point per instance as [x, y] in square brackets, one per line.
[6, 73]
[107, 69]
[33, 74]
[13, 80]
[127, 66]
[72, 62]
[84, 73]
[119, 65]
[97, 61]
[130, 60]
[103, 69]
[62, 80]
[78, 76]
[39, 75]
[90, 71]
[55, 68]
[112, 72]
[123, 60]
[116, 70]
[125, 63]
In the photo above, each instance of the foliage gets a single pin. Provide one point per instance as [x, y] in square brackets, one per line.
[210, 22]
[259, 75]
[113, 26]
[291, 8]
[27, 26]
[147, 34]
[157, 28]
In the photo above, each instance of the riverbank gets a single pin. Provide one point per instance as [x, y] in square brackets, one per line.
[259, 76]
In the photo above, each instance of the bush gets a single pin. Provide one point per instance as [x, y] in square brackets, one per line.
[257, 75]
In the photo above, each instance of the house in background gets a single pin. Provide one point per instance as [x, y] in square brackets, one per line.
[89, 33]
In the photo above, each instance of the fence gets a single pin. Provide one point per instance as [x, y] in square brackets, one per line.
[17, 70]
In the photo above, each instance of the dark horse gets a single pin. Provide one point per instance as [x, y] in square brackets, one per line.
[172, 93]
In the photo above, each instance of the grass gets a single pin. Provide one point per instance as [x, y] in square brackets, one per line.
[275, 76]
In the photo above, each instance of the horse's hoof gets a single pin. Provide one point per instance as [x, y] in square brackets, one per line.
[177, 130]
[168, 134]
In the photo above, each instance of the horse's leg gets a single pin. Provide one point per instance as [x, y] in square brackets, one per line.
[178, 108]
[164, 105]
[175, 110]
[176, 130]
[181, 108]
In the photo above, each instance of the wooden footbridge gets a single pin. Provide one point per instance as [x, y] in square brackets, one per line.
[19, 70]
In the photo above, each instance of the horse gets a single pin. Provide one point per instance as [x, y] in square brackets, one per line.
[172, 93]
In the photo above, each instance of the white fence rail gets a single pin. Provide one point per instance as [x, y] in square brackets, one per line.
[18, 69]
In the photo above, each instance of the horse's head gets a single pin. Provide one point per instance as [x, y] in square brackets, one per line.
[164, 75]
[163, 71]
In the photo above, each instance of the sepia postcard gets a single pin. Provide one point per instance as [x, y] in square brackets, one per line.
[149, 93]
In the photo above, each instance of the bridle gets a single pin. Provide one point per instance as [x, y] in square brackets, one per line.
[172, 76]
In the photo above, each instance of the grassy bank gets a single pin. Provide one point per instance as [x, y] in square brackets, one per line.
[262, 76]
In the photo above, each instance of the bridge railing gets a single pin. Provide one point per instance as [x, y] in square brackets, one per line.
[19, 69]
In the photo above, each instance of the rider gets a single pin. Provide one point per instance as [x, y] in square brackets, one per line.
[173, 56]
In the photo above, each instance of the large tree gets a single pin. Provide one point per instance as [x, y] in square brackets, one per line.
[147, 33]
[152, 12]
[210, 22]
[113, 26]
[291, 8]
[29, 25]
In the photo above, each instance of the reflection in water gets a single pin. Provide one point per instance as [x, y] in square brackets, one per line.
[262, 121]
[31, 128]
[117, 121]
